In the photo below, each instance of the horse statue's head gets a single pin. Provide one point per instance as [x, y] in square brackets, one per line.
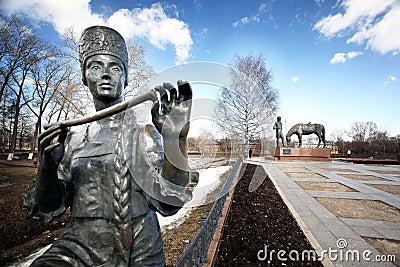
[288, 139]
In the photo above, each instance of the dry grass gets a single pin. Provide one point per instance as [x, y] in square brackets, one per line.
[177, 239]
[20, 235]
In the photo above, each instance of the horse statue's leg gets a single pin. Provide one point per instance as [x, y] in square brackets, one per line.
[319, 140]
[300, 139]
[288, 140]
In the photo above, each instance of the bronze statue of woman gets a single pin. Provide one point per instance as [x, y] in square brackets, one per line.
[112, 173]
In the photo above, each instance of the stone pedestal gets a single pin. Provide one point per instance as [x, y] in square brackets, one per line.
[309, 154]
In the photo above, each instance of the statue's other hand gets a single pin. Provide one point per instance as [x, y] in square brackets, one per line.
[51, 154]
[174, 116]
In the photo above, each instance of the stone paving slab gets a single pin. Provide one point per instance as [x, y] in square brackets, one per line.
[325, 230]
[351, 195]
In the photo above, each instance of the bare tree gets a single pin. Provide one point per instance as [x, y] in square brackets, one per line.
[74, 98]
[139, 70]
[245, 110]
[337, 138]
[205, 141]
[16, 44]
[371, 141]
[70, 46]
[7, 114]
[21, 81]
[48, 75]
[22, 49]
[337, 135]
[25, 128]
[70, 101]
[362, 131]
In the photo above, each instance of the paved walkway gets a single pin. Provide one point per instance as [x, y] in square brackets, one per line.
[340, 206]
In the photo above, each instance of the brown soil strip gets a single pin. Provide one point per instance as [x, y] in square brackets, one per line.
[260, 221]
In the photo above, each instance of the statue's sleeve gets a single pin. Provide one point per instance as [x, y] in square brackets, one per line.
[29, 199]
[146, 166]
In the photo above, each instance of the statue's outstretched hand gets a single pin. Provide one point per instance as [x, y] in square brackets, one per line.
[173, 120]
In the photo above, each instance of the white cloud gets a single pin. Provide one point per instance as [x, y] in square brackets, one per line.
[151, 24]
[354, 54]
[262, 7]
[155, 26]
[245, 20]
[295, 79]
[253, 18]
[61, 14]
[338, 58]
[342, 57]
[375, 23]
[390, 79]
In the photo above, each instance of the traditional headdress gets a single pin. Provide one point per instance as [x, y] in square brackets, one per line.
[100, 40]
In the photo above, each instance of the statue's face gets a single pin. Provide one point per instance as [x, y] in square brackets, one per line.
[105, 76]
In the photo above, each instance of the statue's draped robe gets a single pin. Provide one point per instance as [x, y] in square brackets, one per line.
[87, 175]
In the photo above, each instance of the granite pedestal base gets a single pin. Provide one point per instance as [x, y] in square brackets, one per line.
[309, 154]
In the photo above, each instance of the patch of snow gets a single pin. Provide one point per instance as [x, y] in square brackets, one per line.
[28, 260]
[208, 181]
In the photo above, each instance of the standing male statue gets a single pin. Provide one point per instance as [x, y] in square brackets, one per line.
[112, 173]
[278, 131]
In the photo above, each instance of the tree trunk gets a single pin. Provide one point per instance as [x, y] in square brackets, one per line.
[14, 134]
[38, 125]
[4, 125]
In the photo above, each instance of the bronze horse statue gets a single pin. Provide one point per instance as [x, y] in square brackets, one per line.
[301, 129]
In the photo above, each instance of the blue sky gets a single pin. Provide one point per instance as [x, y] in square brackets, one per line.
[333, 62]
